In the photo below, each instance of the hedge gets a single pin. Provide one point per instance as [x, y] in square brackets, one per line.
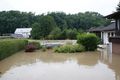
[11, 46]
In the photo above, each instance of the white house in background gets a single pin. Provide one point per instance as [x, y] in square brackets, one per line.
[104, 32]
[22, 33]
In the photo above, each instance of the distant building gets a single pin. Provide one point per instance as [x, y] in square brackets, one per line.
[104, 32]
[22, 33]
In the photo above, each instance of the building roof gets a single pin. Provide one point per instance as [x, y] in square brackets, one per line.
[95, 29]
[115, 15]
[20, 30]
[110, 27]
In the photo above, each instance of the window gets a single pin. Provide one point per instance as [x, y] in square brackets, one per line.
[118, 24]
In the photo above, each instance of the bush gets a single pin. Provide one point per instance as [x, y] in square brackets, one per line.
[36, 44]
[32, 46]
[11, 46]
[89, 41]
[69, 49]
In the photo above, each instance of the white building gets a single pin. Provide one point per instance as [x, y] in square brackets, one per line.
[22, 33]
[104, 32]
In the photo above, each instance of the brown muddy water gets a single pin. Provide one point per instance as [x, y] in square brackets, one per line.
[54, 66]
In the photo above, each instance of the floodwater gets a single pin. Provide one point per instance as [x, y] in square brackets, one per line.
[57, 66]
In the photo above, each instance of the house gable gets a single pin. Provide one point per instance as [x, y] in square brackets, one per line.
[25, 32]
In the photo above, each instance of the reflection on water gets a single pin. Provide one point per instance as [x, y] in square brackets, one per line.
[106, 55]
[52, 66]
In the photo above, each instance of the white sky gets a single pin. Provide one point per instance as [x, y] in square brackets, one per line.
[69, 6]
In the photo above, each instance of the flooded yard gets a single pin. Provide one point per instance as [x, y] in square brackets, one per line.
[55, 66]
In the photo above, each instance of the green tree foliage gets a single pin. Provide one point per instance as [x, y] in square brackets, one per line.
[69, 48]
[47, 25]
[118, 7]
[86, 20]
[55, 33]
[43, 28]
[10, 20]
[35, 33]
[89, 41]
[59, 18]
[71, 33]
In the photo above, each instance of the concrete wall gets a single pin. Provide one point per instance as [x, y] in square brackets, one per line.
[115, 45]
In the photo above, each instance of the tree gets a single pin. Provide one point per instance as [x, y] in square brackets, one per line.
[71, 33]
[43, 28]
[47, 24]
[118, 7]
[55, 33]
[35, 33]
[10, 20]
[59, 18]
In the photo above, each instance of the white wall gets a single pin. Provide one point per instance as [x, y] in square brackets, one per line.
[105, 38]
[25, 32]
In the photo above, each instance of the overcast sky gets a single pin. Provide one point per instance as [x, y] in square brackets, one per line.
[69, 6]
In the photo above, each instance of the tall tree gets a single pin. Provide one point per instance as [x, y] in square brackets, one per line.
[35, 33]
[47, 24]
[44, 27]
[59, 18]
[118, 7]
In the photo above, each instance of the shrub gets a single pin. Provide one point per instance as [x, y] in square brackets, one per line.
[11, 46]
[69, 49]
[89, 41]
[79, 48]
[32, 46]
[36, 44]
